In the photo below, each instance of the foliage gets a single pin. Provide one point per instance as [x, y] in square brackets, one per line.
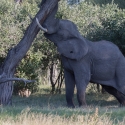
[120, 3]
[71, 2]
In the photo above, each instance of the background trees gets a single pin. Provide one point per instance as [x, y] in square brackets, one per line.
[42, 61]
[74, 1]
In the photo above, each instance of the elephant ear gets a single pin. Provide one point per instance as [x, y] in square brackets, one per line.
[73, 48]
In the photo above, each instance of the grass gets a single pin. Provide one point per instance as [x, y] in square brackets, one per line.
[43, 108]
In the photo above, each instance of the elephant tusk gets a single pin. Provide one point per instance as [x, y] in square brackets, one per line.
[42, 28]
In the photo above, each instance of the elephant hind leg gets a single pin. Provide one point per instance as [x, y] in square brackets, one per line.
[118, 95]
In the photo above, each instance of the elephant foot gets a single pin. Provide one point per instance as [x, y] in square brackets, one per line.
[83, 106]
[122, 104]
[70, 106]
[121, 99]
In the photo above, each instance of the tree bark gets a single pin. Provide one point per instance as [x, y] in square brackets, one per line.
[16, 54]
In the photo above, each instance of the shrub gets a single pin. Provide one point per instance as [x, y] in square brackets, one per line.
[95, 23]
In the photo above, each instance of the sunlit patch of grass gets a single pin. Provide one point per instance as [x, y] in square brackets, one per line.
[28, 118]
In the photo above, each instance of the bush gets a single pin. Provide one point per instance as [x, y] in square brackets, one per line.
[95, 23]
[120, 3]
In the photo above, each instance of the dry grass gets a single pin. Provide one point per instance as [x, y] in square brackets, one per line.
[40, 119]
[28, 118]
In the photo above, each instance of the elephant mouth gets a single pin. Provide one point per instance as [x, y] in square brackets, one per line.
[71, 51]
[42, 28]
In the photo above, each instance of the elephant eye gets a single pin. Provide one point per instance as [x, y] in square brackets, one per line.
[71, 51]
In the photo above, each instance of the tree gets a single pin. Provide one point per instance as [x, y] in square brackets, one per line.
[15, 55]
[74, 1]
[18, 1]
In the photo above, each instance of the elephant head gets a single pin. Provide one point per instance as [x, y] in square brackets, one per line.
[65, 35]
[68, 40]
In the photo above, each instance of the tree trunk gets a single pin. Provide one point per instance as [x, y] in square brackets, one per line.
[16, 54]
[6, 91]
[51, 77]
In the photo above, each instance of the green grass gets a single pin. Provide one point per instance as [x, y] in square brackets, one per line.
[101, 108]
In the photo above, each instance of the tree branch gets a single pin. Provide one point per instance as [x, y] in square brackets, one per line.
[3, 78]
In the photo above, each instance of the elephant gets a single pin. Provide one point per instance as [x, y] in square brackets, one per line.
[85, 61]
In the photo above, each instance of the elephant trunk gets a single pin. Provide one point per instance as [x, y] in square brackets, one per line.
[51, 24]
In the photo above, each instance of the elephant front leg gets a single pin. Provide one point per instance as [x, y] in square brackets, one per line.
[82, 81]
[69, 85]
[81, 88]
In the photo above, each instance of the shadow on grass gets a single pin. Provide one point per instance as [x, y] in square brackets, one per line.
[103, 100]
[46, 99]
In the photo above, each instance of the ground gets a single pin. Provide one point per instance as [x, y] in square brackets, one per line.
[40, 107]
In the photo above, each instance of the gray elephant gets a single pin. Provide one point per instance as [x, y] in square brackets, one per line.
[85, 61]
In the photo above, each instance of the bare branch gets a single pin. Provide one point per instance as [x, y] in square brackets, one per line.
[15, 79]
